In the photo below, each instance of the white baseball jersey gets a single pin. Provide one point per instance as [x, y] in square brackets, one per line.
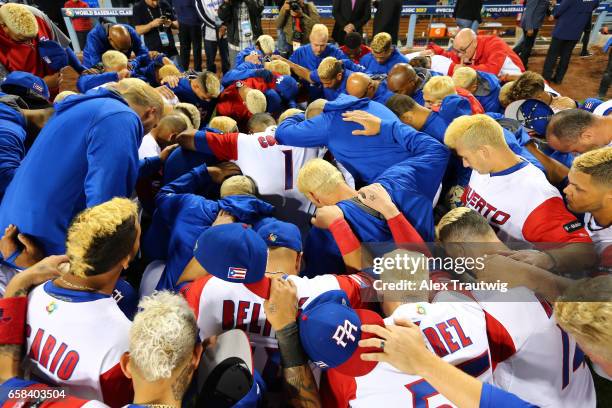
[220, 306]
[541, 363]
[521, 205]
[454, 329]
[274, 168]
[75, 340]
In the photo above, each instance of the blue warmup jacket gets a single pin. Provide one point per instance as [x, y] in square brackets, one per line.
[411, 184]
[572, 16]
[87, 82]
[85, 155]
[305, 57]
[186, 215]
[184, 93]
[364, 157]
[97, 44]
[373, 67]
[12, 147]
[487, 92]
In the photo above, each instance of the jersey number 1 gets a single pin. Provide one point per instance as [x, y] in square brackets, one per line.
[288, 169]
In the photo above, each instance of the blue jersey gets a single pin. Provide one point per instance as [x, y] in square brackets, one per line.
[305, 57]
[185, 215]
[97, 44]
[12, 143]
[87, 82]
[99, 162]
[373, 67]
[364, 157]
[382, 93]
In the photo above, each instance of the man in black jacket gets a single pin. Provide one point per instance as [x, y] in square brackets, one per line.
[243, 21]
[387, 17]
[350, 15]
[467, 14]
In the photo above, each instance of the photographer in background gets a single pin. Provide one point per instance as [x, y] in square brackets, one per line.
[154, 19]
[295, 19]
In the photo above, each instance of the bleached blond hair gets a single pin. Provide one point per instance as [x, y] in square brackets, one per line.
[162, 336]
[315, 108]
[319, 30]
[585, 312]
[460, 223]
[288, 113]
[474, 131]
[439, 87]
[319, 176]
[381, 42]
[465, 77]
[114, 60]
[191, 112]
[598, 164]
[238, 185]
[256, 101]
[140, 93]
[505, 94]
[168, 70]
[278, 66]
[266, 43]
[210, 83]
[329, 68]
[101, 236]
[62, 95]
[19, 20]
[224, 124]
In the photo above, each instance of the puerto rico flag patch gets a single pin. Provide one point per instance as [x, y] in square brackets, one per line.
[236, 273]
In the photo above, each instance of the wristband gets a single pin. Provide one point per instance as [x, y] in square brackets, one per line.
[292, 354]
[344, 236]
[12, 320]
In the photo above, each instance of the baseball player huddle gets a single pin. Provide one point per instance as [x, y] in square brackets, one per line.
[401, 229]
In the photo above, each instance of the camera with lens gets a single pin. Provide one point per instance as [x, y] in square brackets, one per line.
[298, 36]
[294, 5]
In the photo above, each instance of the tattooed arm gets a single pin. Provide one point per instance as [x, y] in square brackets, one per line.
[14, 308]
[281, 310]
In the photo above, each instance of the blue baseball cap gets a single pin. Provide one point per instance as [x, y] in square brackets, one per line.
[532, 113]
[53, 54]
[234, 253]
[287, 87]
[25, 85]
[590, 104]
[281, 234]
[330, 331]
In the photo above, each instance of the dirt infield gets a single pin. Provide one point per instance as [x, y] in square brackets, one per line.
[582, 78]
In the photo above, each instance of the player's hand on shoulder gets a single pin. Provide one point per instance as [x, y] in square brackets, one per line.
[370, 123]
[186, 139]
[376, 197]
[164, 154]
[282, 306]
[171, 80]
[400, 345]
[325, 216]
[40, 272]
[219, 172]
